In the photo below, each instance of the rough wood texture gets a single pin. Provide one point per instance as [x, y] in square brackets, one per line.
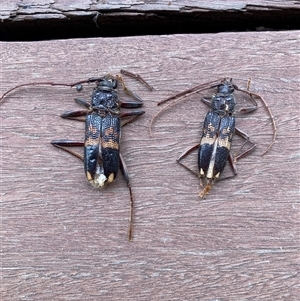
[42, 20]
[61, 9]
[64, 240]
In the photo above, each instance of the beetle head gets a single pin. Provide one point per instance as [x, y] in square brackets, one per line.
[108, 82]
[226, 87]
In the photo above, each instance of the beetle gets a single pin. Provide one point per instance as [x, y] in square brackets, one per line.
[218, 130]
[103, 121]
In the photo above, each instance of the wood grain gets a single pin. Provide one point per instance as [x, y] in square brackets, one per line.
[61, 19]
[64, 240]
[61, 9]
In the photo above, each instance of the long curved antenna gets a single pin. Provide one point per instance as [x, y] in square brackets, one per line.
[181, 97]
[90, 80]
[42, 83]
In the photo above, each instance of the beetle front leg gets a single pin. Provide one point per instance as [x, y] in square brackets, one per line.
[254, 102]
[137, 77]
[255, 106]
[127, 90]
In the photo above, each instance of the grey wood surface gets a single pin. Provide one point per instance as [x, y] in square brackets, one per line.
[63, 240]
[61, 9]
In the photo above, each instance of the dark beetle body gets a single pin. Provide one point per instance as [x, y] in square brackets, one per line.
[102, 135]
[102, 158]
[103, 114]
[101, 148]
[218, 130]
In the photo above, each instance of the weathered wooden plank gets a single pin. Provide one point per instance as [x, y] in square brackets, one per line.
[61, 9]
[60, 19]
[64, 240]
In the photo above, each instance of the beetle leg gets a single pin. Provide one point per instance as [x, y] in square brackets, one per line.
[208, 185]
[64, 144]
[137, 77]
[131, 104]
[127, 90]
[184, 155]
[133, 114]
[75, 115]
[255, 106]
[83, 102]
[247, 140]
[206, 101]
[124, 170]
[232, 163]
[247, 91]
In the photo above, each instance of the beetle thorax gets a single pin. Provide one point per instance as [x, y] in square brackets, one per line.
[105, 100]
[223, 103]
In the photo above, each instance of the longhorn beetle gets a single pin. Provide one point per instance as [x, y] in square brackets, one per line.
[218, 129]
[102, 158]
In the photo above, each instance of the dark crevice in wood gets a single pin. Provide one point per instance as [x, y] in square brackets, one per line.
[122, 23]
